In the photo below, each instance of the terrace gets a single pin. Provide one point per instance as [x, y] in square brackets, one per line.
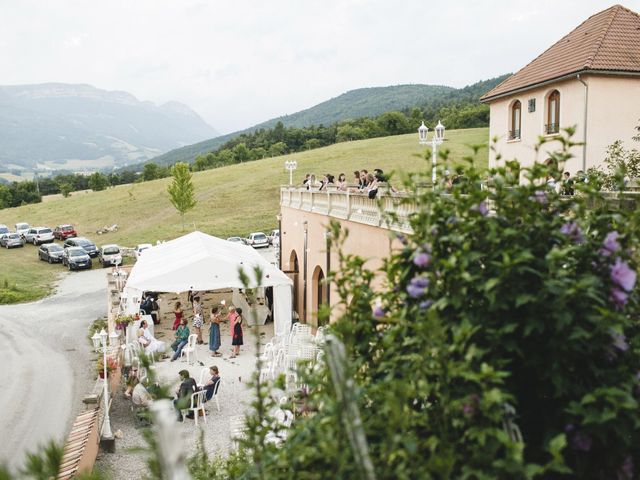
[353, 206]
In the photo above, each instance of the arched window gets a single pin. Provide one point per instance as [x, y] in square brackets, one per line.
[553, 113]
[516, 120]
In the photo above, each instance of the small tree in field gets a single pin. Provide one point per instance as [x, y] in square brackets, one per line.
[181, 190]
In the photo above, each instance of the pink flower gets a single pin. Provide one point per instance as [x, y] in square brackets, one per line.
[618, 297]
[422, 259]
[622, 275]
[610, 244]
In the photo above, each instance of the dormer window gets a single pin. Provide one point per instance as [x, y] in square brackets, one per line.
[553, 113]
[516, 120]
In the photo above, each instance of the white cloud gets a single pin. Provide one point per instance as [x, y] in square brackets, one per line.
[238, 63]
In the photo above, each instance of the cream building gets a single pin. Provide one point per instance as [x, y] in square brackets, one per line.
[589, 79]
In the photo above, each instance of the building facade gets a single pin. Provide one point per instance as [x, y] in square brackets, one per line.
[305, 253]
[589, 80]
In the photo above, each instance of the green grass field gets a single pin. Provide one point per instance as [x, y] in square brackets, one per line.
[233, 200]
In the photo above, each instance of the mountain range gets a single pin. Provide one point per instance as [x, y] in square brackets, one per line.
[362, 102]
[57, 126]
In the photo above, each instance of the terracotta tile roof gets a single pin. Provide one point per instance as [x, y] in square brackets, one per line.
[606, 41]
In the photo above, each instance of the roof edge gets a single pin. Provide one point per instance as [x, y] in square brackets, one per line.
[586, 71]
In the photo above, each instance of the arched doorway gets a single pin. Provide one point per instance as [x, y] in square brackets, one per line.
[318, 294]
[294, 274]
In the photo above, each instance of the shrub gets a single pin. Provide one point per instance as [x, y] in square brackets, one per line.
[503, 343]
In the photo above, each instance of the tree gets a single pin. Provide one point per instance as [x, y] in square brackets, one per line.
[98, 181]
[279, 148]
[240, 153]
[181, 190]
[150, 172]
[6, 197]
[393, 123]
[66, 189]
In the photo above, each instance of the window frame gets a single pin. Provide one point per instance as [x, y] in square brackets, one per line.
[552, 127]
[515, 131]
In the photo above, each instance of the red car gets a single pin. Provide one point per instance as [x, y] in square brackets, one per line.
[62, 232]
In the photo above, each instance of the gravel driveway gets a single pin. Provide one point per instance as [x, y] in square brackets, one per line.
[44, 354]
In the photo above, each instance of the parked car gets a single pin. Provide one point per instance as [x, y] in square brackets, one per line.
[140, 248]
[39, 235]
[85, 243]
[258, 239]
[10, 240]
[4, 229]
[237, 240]
[50, 252]
[274, 236]
[62, 232]
[110, 255]
[76, 258]
[22, 228]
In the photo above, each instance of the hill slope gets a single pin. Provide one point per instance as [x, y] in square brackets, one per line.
[233, 200]
[56, 126]
[363, 102]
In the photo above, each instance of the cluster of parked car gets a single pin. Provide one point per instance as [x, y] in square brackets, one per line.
[75, 252]
[258, 239]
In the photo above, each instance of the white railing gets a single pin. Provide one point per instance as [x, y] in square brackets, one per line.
[352, 205]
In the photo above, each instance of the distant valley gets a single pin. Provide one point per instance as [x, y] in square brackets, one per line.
[56, 126]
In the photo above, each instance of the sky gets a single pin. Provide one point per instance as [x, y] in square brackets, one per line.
[240, 63]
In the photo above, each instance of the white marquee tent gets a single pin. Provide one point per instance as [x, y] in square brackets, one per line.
[202, 262]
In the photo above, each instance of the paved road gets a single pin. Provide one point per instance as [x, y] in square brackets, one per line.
[45, 357]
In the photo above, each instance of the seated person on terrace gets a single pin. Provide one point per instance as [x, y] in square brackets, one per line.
[149, 342]
[140, 396]
[210, 386]
[182, 338]
[183, 395]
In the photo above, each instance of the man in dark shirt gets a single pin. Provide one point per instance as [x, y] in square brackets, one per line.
[183, 395]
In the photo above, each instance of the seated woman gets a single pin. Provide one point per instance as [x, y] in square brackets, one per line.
[210, 386]
[148, 341]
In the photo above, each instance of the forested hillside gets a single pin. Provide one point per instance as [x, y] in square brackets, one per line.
[457, 108]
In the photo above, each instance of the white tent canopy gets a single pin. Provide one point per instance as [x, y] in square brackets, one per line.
[202, 262]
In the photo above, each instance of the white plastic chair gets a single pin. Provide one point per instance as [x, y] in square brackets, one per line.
[203, 373]
[196, 406]
[190, 348]
[216, 388]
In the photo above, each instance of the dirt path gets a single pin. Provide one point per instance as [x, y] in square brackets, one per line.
[45, 354]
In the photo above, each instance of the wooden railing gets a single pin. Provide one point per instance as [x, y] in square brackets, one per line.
[352, 205]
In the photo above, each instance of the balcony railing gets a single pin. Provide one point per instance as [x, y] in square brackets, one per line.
[551, 128]
[514, 134]
[354, 206]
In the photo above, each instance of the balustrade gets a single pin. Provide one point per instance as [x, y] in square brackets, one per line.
[352, 206]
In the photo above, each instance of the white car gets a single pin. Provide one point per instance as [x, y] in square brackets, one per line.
[257, 240]
[39, 235]
[274, 237]
[110, 255]
[22, 228]
[140, 248]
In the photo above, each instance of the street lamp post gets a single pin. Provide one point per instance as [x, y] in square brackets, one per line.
[98, 340]
[438, 138]
[290, 165]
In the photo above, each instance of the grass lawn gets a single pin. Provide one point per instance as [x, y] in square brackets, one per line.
[233, 200]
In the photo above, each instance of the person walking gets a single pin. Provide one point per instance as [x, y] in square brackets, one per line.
[214, 332]
[237, 334]
[177, 311]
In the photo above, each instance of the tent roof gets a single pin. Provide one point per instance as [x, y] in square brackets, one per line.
[201, 262]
